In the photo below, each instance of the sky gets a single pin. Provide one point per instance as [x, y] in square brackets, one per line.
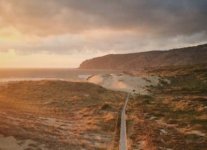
[63, 33]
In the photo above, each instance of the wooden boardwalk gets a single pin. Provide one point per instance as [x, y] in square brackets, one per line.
[123, 134]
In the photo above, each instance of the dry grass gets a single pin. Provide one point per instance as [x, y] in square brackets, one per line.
[174, 116]
[59, 115]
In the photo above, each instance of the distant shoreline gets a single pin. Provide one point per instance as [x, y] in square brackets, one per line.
[76, 75]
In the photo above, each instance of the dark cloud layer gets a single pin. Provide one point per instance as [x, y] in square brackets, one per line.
[168, 17]
[66, 26]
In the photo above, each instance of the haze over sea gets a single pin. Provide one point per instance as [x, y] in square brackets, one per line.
[48, 74]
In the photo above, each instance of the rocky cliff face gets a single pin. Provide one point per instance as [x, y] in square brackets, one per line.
[137, 61]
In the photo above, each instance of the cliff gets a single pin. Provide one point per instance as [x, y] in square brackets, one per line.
[151, 59]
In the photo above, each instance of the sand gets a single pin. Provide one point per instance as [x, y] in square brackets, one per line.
[126, 83]
[11, 143]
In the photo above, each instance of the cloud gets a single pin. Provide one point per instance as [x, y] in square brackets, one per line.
[100, 26]
[56, 17]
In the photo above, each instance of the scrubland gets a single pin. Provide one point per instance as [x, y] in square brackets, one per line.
[174, 115]
[57, 115]
[60, 115]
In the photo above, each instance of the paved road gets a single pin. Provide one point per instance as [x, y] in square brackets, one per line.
[123, 135]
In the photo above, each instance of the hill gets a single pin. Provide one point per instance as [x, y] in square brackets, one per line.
[152, 59]
[51, 115]
[174, 116]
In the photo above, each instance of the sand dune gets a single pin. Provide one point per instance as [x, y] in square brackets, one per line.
[126, 83]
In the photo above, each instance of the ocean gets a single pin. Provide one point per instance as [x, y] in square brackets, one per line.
[49, 74]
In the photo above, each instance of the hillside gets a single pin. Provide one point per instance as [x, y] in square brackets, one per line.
[151, 59]
[51, 115]
[174, 116]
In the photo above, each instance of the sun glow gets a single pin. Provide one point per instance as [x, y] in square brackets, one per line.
[10, 34]
[13, 59]
[5, 57]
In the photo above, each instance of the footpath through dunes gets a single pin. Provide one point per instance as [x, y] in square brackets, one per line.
[169, 112]
[51, 115]
[133, 85]
[123, 129]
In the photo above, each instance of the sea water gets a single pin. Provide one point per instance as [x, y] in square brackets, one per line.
[49, 74]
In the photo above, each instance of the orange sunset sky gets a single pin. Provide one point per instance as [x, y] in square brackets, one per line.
[63, 33]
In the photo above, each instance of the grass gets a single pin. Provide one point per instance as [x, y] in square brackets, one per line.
[60, 114]
[174, 110]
